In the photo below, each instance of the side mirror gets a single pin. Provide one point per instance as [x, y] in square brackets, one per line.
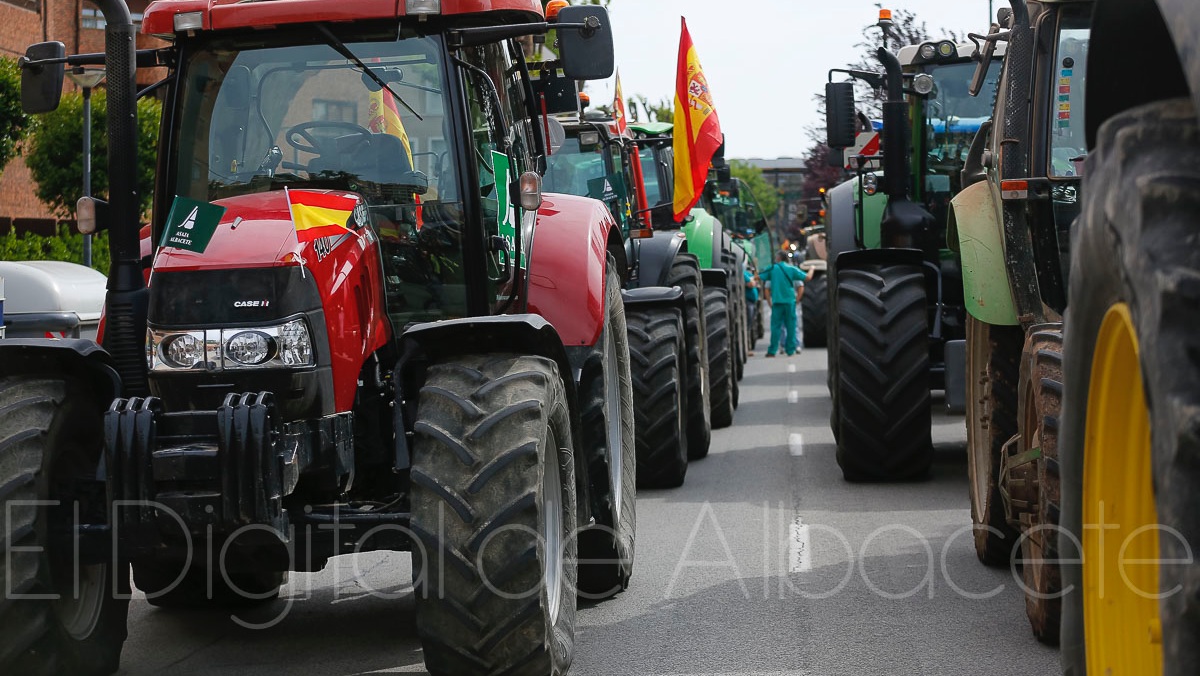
[587, 51]
[41, 85]
[984, 53]
[840, 121]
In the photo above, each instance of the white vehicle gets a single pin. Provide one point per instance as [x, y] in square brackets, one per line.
[50, 299]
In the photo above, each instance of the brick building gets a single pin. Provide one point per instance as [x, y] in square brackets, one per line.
[78, 25]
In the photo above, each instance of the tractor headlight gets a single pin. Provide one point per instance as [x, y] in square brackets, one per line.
[249, 348]
[183, 351]
[286, 345]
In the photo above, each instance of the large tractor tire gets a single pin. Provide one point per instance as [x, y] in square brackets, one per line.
[494, 513]
[167, 585]
[50, 431]
[658, 357]
[606, 404]
[685, 273]
[993, 372]
[882, 379]
[1030, 479]
[720, 358]
[1129, 447]
[814, 310]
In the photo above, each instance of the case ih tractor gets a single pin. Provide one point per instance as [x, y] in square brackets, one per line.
[721, 263]
[351, 338]
[667, 363]
[897, 327]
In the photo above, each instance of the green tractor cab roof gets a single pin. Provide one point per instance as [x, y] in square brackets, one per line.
[653, 128]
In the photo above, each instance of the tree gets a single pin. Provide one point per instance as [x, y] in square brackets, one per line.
[55, 155]
[14, 123]
[663, 111]
[767, 195]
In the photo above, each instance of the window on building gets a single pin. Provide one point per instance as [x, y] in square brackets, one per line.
[89, 17]
[326, 110]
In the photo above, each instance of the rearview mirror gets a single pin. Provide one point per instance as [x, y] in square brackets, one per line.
[41, 85]
[841, 123]
[984, 53]
[587, 52]
[237, 88]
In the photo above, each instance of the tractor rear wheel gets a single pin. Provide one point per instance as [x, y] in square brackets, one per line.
[685, 273]
[1129, 446]
[814, 310]
[494, 512]
[882, 381]
[720, 357]
[50, 431]
[606, 404]
[658, 357]
[993, 372]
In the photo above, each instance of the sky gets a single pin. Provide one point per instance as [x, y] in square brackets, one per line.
[764, 59]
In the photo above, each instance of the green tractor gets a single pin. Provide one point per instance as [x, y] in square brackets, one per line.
[703, 235]
[897, 321]
[738, 210]
[1012, 226]
[663, 294]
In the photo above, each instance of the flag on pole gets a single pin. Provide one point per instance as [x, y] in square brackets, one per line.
[697, 134]
[319, 214]
[619, 112]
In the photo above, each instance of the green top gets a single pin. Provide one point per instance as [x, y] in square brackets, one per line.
[652, 128]
[783, 279]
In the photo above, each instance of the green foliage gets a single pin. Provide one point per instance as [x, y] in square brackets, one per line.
[663, 111]
[14, 123]
[767, 195]
[55, 151]
[65, 246]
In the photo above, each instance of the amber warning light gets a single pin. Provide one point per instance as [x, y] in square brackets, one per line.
[554, 8]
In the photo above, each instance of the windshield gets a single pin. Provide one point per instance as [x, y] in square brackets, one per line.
[570, 169]
[952, 118]
[263, 116]
[1067, 145]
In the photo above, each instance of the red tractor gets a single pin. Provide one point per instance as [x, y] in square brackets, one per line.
[340, 335]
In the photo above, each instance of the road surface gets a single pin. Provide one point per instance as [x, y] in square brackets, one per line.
[765, 562]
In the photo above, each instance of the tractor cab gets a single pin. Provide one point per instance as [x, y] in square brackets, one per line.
[595, 161]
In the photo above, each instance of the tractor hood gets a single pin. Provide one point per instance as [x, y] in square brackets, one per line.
[255, 231]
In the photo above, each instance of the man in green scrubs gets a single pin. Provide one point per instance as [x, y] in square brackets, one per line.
[785, 286]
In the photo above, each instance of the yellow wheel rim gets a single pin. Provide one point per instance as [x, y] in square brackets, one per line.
[1120, 542]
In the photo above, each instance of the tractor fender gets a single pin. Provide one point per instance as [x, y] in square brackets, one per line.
[570, 249]
[85, 359]
[702, 230]
[978, 234]
[654, 296]
[1166, 64]
[656, 254]
[714, 278]
[839, 219]
[528, 334]
[853, 259]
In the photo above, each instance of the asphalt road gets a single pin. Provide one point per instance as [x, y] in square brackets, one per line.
[765, 562]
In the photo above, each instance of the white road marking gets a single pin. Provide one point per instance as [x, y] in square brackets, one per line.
[799, 548]
[793, 396]
[791, 368]
[796, 444]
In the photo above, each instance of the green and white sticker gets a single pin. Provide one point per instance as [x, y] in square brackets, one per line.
[506, 214]
[191, 224]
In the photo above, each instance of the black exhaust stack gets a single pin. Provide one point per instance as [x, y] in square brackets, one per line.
[127, 300]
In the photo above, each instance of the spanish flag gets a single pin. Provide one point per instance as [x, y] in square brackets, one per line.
[619, 112]
[319, 214]
[384, 118]
[697, 134]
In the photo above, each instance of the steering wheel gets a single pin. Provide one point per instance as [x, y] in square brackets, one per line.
[301, 137]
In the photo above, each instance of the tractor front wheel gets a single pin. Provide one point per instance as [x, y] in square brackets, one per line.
[494, 514]
[814, 310]
[685, 273]
[720, 357]
[658, 357]
[55, 617]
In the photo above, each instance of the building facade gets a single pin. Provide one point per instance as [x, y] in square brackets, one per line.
[79, 26]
